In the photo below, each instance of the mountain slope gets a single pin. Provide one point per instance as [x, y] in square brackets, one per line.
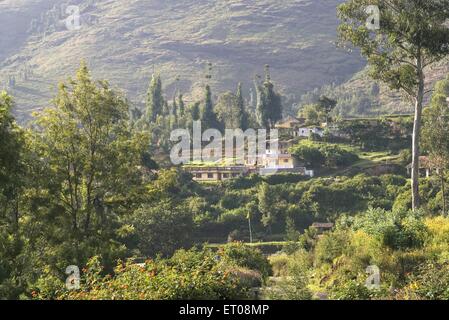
[124, 40]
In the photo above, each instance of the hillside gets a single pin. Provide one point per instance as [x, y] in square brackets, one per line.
[124, 40]
[384, 100]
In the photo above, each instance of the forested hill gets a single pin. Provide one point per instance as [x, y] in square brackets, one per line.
[123, 40]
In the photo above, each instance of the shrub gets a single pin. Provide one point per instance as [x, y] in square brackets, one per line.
[247, 257]
[188, 275]
[394, 229]
[279, 264]
[316, 155]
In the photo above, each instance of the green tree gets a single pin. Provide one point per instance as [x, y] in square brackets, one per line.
[188, 275]
[227, 111]
[208, 116]
[155, 100]
[312, 113]
[269, 105]
[86, 172]
[174, 108]
[328, 105]
[436, 131]
[411, 37]
[267, 206]
[11, 166]
[261, 108]
[12, 179]
[195, 111]
[242, 113]
[181, 106]
[165, 109]
[162, 228]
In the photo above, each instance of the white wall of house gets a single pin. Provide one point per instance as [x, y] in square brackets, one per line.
[310, 173]
[305, 132]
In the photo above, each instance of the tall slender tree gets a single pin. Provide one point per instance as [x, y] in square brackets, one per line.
[12, 181]
[436, 132]
[11, 167]
[155, 100]
[269, 104]
[261, 111]
[242, 113]
[181, 105]
[195, 111]
[174, 107]
[208, 116]
[401, 39]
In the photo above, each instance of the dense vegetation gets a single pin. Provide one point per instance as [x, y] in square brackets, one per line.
[86, 184]
[78, 187]
[409, 250]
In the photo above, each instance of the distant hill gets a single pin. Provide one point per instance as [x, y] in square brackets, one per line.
[123, 40]
[360, 96]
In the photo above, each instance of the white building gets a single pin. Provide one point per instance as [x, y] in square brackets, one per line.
[306, 132]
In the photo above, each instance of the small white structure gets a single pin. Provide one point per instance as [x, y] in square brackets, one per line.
[306, 132]
[309, 173]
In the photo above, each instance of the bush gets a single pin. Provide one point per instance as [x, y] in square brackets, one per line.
[330, 246]
[188, 275]
[316, 155]
[161, 229]
[295, 285]
[394, 229]
[247, 257]
[279, 264]
[431, 283]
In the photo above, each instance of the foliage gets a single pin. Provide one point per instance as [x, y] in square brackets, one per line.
[295, 285]
[208, 117]
[87, 169]
[188, 275]
[394, 229]
[247, 257]
[161, 229]
[319, 112]
[411, 36]
[316, 155]
[269, 105]
[155, 100]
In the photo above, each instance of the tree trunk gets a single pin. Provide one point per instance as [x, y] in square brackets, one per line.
[250, 231]
[416, 137]
[443, 189]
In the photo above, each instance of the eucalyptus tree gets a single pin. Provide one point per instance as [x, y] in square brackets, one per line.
[401, 40]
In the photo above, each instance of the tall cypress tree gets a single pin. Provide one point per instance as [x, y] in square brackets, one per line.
[261, 108]
[269, 104]
[242, 114]
[195, 111]
[181, 106]
[165, 108]
[155, 100]
[273, 104]
[174, 107]
[208, 116]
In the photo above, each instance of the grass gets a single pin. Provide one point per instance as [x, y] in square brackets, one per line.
[267, 248]
[367, 160]
[254, 244]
